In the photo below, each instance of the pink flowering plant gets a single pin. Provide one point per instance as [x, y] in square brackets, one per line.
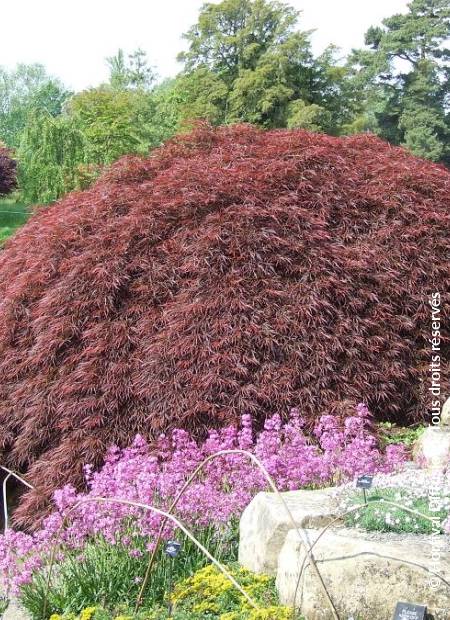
[336, 451]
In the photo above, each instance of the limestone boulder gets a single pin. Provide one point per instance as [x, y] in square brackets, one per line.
[432, 449]
[366, 574]
[265, 524]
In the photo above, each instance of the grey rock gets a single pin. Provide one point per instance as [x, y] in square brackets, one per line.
[265, 524]
[365, 574]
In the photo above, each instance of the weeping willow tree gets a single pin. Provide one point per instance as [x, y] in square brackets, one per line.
[52, 157]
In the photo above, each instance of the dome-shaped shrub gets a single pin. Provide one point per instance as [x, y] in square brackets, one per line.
[233, 271]
[8, 170]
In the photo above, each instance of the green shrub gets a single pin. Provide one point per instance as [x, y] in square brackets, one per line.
[206, 595]
[391, 434]
[108, 575]
[209, 594]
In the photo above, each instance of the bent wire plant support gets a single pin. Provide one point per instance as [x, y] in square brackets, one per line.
[299, 530]
[10, 474]
[362, 507]
[4, 601]
[168, 516]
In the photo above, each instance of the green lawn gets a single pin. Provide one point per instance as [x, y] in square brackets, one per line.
[12, 215]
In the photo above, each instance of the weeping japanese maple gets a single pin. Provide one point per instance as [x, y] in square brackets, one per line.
[232, 271]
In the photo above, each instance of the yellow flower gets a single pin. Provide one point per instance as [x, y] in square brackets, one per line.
[208, 591]
[87, 613]
[207, 583]
[55, 617]
[271, 613]
[206, 606]
[230, 615]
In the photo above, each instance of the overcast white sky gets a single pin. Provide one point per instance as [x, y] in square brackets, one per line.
[73, 38]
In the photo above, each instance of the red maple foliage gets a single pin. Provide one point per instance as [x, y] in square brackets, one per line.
[234, 270]
[8, 172]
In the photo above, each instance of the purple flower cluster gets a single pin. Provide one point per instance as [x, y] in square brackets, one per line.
[336, 451]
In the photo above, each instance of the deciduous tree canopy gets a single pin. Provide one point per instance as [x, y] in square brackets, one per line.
[27, 89]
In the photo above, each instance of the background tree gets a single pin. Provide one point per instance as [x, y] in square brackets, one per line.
[52, 154]
[97, 126]
[24, 90]
[166, 102]
[201, 93]
[132, 73]
[118, 71]
[113, 122]
[284, 73]
[234, 34]
[312, 117]
[248, 61]
[142, 75]
[339, 93]
[407, 67]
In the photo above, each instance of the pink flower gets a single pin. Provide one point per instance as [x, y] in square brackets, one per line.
[153, 476]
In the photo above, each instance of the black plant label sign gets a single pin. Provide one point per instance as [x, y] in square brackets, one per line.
[408, 611]
[364, 482]
[173, 548]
